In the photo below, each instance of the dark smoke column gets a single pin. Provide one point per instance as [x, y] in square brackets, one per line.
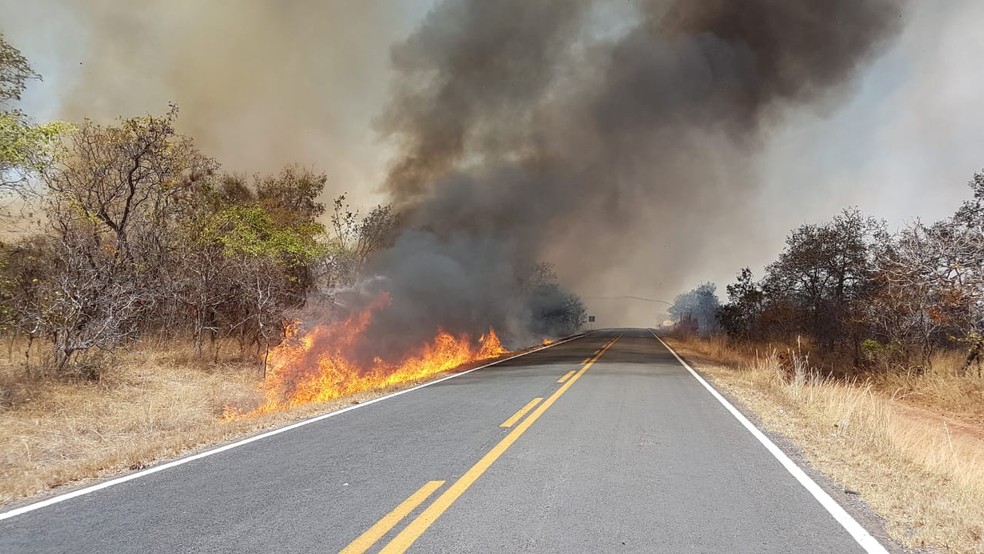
[518, 121]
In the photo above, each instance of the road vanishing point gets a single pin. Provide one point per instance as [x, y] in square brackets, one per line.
[603, 443]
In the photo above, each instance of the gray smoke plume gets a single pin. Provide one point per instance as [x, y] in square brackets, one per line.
[618, 140]
[584, 133]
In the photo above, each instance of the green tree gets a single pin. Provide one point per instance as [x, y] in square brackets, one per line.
[267, 266]
[15, 72]
[248, 255]
[25, 148]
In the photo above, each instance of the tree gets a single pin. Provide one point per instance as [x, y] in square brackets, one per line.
[24, 289]
[248, 255]
[114, 204]
[15, 71]
[906, 309]
[291, 197]
[130, 181]
[265, 260]
[25, 148]
[969, 223]
[740, 317]
[200, 280]
[941, 264]
[894, 299]
[554, 311]
[699, 306]
[825, 273]
[350, 242]
[931, 286]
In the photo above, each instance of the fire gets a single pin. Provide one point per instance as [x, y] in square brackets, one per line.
[548, 342]
[317, 365]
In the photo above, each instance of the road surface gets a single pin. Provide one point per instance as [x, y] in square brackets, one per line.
[624, 452]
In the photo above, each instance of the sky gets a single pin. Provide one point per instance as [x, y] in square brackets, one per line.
[264, 84]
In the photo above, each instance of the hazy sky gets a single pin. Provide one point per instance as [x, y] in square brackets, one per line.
[262, 84]
[259, 83]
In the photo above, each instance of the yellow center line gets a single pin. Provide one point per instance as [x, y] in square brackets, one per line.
[566, 376]
[522, 411]
[376, 532]
[412, 532]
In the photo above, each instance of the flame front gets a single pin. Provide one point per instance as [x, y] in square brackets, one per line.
[317, 366]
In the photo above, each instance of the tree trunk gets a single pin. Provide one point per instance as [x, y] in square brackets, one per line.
[266, 358]
[973, 357]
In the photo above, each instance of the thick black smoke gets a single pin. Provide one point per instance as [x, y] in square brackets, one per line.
[612, 138]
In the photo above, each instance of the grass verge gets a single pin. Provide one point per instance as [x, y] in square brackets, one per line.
[915, 455]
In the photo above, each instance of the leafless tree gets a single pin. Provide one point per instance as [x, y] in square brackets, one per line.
[351, 240]
[906, 306]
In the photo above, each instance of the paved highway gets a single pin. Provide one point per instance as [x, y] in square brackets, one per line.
[605, 443]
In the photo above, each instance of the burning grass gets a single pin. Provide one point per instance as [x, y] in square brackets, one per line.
[919, 466]
[334, 376]
[320, 365]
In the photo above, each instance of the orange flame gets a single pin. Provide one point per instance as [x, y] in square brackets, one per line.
[317, 366]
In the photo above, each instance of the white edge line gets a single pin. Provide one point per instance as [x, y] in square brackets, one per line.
[869, 543]
[119, 480]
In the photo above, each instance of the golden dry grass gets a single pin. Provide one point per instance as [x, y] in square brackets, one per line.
[919, 467]
[938, 388]
[143, 407]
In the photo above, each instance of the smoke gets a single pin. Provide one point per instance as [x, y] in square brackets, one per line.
[620, 141]
[530, 130]
[260, 83]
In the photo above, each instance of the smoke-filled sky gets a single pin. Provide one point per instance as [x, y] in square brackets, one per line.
[641, 146]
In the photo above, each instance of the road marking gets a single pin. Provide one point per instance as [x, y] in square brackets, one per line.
[376, 532]
[120, 480]
[412, 532]
[566, 376]
[869, 543]
[522, 411]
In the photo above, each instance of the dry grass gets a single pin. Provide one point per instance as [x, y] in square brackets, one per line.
[938, 388]
[144, 407]
[921, 467]
[151, 403]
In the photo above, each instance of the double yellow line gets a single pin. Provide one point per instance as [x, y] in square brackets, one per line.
[422, 522]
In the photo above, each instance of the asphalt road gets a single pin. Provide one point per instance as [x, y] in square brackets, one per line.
[629, 454]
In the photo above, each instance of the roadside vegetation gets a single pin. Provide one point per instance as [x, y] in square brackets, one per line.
[865, 348]
[156, 401]
[142, 288]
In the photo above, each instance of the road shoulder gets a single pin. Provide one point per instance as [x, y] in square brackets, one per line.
[839, 471]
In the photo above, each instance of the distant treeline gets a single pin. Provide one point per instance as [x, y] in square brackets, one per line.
[888, 300]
